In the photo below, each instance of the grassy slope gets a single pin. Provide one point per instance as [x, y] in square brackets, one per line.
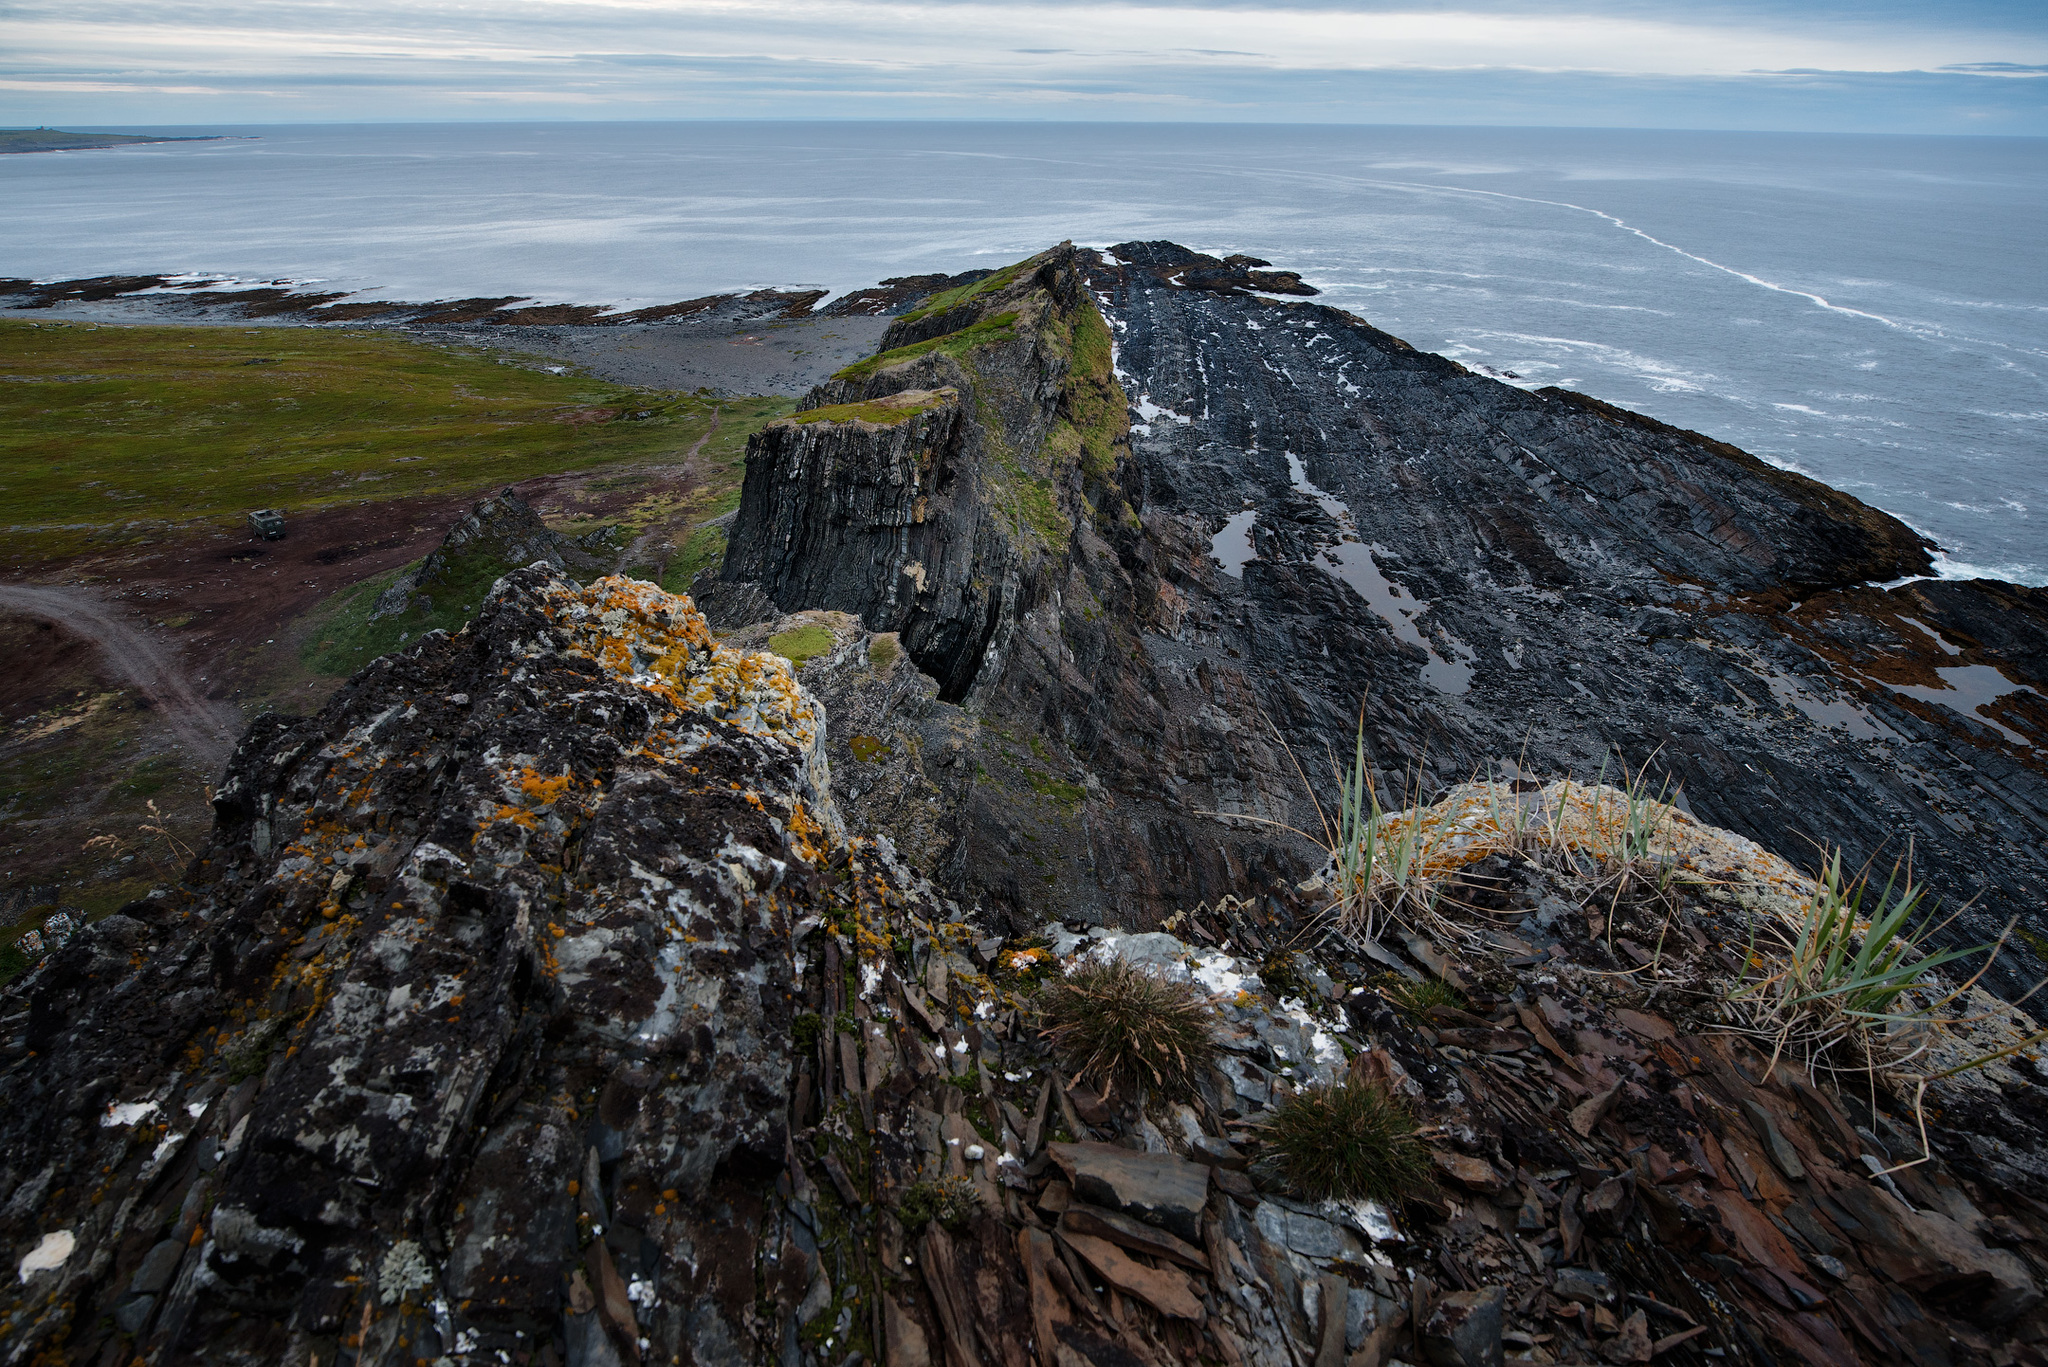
[110, 435]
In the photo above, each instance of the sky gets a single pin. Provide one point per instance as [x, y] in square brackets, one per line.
[1889, 66]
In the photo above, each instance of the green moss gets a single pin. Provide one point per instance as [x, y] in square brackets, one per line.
[1034, 504]
[806, 1028]
[801, 645]
[960, 294]
[704, 548]
[344, 639]
[868, 749]
[113, 436]
[987, 332]
[1067, 795]
[881, 412]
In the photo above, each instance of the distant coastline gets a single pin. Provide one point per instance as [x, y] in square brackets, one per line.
[57, 140]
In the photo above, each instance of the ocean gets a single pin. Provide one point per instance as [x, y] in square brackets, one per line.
[1872, 311]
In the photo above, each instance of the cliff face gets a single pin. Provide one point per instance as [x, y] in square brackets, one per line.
[1309, 512]
[935, 489]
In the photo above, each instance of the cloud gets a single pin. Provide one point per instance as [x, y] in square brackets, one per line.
[1997, 68]
[698, 57]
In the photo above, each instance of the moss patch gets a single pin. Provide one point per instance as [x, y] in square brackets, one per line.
[887, 412]
[1095, 402]
[960, 294]
[801, 645]
[987, 332]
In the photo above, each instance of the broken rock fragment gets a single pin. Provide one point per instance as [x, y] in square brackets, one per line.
[1464, 1330]
[1157, 1188]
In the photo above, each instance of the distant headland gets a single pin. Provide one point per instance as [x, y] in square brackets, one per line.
[56, 140]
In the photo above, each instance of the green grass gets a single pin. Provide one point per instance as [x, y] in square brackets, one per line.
[1846, 974]
[112, 436]
[1067, 796]
[1095, 402]
[888, 412]
[704, 548]
[1414, 999]
[987, 332]
[960, 294]
[883, 650]
[801, 645]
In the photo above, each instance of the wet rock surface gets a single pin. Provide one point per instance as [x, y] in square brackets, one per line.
[1304, 512]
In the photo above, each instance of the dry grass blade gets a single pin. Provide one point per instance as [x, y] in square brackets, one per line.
[1129, 1027]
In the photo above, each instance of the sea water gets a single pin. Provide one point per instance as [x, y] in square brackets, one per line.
[1872, 311]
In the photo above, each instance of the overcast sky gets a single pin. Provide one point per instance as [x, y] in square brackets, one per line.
[1931, 66]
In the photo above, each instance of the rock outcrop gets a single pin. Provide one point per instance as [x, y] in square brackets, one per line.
[1293, 512]
[497, 534]
[474, 1014]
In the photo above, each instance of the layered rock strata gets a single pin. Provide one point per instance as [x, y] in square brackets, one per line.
[1291, 512]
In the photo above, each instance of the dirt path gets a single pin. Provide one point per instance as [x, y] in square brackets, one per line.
[639, 543]
[206, 729]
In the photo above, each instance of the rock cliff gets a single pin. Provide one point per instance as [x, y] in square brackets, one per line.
[1142, 612]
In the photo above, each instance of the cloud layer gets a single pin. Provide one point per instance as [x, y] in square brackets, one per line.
[1971, 64]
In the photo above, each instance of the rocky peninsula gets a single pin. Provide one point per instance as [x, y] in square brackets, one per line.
[595, 985]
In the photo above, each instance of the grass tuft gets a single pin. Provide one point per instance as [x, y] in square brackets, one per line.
[952, 1201]
[1840, 985]
[1351, 1140]
[1414, 999]
[1130, 1027]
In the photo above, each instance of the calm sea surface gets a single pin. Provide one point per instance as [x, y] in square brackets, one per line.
[1872, 311]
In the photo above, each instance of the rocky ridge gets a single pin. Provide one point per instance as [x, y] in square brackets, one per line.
[1278, 511]
[569, 991]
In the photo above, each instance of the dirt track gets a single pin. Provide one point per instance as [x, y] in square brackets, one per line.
[206, 729]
